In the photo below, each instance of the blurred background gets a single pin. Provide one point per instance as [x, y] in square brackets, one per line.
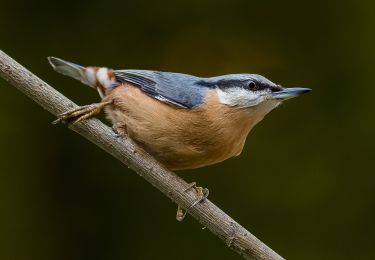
[305, 183]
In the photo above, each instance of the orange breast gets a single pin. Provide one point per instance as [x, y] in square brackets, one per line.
[180, 138]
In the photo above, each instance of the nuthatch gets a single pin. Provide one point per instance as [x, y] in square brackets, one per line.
[184, 121]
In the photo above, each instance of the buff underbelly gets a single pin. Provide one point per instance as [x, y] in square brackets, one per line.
[168, 133]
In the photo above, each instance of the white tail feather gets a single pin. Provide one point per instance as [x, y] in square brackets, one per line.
[94, 77]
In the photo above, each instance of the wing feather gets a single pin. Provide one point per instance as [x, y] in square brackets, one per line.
[176, 89]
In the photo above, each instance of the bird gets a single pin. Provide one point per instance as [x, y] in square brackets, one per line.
[184, 121]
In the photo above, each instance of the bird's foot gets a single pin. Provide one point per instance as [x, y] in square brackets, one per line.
[180, 214]
[202, 194]
[81, 113]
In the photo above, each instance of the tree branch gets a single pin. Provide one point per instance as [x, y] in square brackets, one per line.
[208, 214]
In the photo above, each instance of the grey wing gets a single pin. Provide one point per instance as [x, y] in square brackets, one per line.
[176, 89]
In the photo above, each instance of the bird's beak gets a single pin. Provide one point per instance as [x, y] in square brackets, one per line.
[288, 93]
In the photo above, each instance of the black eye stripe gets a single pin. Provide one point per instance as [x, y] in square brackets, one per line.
[249, 84]
[256, 86]
[225, 84]
[275, 88]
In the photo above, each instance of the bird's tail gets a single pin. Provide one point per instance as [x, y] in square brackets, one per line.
[99, 78]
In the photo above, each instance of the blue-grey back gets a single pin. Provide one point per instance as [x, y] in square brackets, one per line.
[174, 88]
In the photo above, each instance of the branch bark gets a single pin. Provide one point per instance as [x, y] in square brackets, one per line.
[208, 214]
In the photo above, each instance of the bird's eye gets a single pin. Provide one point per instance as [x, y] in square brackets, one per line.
[252, 85]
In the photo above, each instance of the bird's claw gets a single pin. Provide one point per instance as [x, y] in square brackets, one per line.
[80, 113]
[180, 214]
[202, 194]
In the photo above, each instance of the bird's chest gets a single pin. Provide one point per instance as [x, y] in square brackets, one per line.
[223, 132]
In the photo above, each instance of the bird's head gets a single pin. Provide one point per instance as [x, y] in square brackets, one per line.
[253, 91]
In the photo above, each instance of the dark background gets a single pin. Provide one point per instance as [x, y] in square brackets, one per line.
[304, 183]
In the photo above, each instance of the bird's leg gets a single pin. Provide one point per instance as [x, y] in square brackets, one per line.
[202, 195]
[81, 113]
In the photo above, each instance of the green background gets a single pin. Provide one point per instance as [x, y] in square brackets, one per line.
[304, 184]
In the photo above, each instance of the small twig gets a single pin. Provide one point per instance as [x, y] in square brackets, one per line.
[208, 214]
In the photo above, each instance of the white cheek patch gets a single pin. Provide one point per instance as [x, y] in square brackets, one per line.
[240, 97]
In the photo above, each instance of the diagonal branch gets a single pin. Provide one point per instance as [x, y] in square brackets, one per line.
[208, 214]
